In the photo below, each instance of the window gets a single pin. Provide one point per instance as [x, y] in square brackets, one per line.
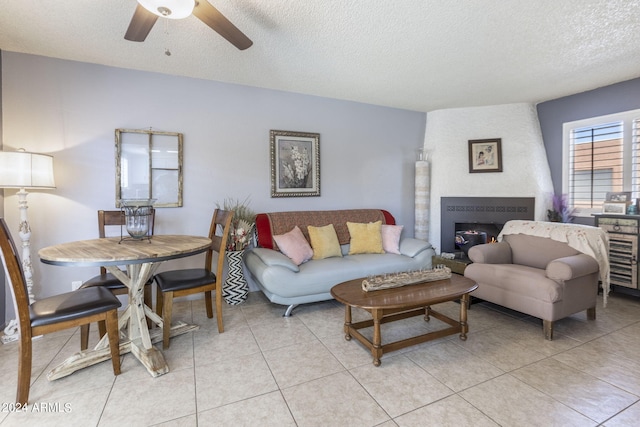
[149, 166]
[601, 155]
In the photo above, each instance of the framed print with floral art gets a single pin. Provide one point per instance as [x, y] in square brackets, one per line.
[485, 155]
[295, 164]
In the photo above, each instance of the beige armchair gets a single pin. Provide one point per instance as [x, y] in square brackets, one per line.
[535, 270]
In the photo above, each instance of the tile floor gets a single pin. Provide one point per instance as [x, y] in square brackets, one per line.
[266, 370]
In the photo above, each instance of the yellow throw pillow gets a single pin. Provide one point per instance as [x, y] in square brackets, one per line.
[324, 241]
[365, 238]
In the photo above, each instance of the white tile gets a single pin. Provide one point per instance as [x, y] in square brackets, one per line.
[418, 387]
[265, 410]
[335, 400]
[234, 342]
[149, 401]
[627, 418]
[454, 366]
[299, 363]
[578, 390]
[188, 421]
[510, 402]
[281, 333]
[81, 408]
[231, 380]
[451, 411]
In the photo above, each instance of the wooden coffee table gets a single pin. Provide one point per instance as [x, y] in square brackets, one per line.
[388, 305]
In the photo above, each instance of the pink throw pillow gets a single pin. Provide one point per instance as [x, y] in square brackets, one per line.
[294, 245]
[391, 238]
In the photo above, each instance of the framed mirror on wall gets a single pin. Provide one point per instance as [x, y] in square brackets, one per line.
[149, 166]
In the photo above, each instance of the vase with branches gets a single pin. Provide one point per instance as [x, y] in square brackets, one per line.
[236, 289]
[242, 225]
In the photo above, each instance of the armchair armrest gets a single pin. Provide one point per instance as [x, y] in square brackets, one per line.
[570, 267]
[272, 257]
[491, 253]
[411, 247]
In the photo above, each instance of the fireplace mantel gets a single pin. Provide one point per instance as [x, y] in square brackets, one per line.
[487, 210]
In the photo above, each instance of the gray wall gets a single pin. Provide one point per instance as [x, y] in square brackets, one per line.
[70, 110]
[612, 99]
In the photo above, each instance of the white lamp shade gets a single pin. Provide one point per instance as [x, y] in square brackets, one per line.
[19, 169]
[172, 9]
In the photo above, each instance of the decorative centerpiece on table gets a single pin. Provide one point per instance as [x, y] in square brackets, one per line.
[236, 288]
[396, 280]
[137, 214]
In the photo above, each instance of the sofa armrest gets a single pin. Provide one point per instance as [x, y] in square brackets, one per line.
[571, 267]
[411, 247]
[491, 253]
[272, 257]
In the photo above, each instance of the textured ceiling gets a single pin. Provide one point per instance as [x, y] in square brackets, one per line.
[415, 54]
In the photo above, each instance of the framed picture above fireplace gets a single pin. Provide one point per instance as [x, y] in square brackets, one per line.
[485, 155]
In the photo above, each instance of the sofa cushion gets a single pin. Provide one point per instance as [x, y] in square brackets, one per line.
[534, 251]
[365, 238]
[412, 247]
[324, 242]
[294, 245]
[391, 238]
[516, 278]
[274, 223]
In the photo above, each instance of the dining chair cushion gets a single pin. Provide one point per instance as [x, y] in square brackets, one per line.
[108, 281]
[72, 305]
[176, 280]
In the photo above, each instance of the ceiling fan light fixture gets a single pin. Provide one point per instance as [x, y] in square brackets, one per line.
[172, 9]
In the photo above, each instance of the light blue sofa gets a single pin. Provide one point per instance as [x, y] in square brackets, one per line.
[286, 283]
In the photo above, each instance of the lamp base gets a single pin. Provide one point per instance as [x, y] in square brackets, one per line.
[10, 332]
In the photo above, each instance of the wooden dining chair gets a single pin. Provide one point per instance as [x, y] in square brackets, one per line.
[177, 283]
[55, 313]
[108, 280]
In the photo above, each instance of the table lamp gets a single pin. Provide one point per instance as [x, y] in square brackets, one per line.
[22, 170]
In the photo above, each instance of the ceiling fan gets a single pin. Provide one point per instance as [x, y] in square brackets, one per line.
[148, 11]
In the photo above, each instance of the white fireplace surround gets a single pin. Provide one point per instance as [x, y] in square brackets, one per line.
[525, 172]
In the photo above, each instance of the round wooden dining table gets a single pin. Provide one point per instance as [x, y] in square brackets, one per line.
[141, 258]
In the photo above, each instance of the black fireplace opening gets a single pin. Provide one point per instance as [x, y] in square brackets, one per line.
[470, 234]
[485, 215]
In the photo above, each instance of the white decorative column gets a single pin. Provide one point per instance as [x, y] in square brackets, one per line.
[422, 197]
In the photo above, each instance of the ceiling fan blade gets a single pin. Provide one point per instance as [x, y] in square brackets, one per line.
[218, 23]
[141, 23]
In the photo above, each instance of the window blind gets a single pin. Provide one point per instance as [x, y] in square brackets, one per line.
[635, 162]
[596, 163]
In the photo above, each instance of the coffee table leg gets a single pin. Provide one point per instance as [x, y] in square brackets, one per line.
[427, 311]
[376, 350]
[464, 328]
[347, 322]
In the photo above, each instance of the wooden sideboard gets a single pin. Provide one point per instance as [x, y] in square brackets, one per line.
[623, 233]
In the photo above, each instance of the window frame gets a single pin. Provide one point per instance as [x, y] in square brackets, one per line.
[627, 118]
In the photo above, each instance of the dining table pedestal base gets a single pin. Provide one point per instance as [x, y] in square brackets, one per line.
[152, 359]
